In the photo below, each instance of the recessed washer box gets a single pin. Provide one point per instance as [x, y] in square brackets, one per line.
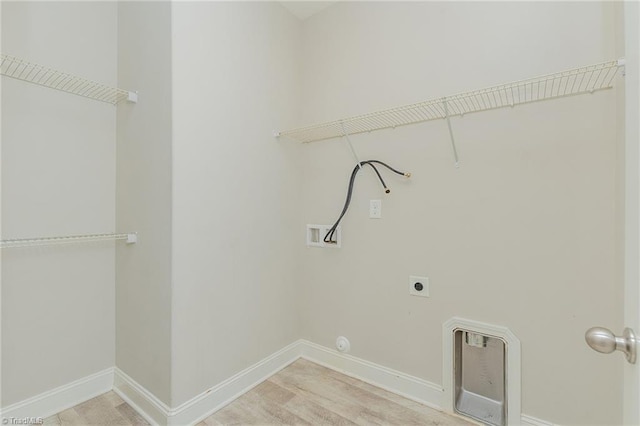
[316, 234]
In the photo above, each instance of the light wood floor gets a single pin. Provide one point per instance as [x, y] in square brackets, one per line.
[108, 409]
[304, 393]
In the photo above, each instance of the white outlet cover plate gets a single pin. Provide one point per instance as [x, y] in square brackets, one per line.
[413, 279]
[375, 209]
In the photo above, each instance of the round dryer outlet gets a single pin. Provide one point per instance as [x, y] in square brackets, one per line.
[342, 344]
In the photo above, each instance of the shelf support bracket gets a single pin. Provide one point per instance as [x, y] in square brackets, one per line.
[353, 151]
[453, 139]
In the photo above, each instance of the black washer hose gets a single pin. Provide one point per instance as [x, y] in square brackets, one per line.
[328, 238]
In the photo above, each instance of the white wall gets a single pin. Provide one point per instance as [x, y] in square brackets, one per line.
[236, 189]
[522, 235]
[58, 178]
[143, 203]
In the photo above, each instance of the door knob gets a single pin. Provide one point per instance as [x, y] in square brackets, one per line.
[603, 340]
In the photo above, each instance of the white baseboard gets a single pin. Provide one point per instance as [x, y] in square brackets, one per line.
[400, 383]
[203, 405]
[210, 401]
[59, 399]
[414, 388]
[532, 421]
[137, 396]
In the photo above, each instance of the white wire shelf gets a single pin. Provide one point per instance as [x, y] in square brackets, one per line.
[587, 79]
[13, 67]
[45, 241]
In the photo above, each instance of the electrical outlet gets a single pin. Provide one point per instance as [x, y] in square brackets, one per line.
[375, 209]
[419, 286]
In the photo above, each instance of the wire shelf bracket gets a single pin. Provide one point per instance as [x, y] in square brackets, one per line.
[353, 151]
[577, 81]
[130, 238]
[13, 67]
[453, 139]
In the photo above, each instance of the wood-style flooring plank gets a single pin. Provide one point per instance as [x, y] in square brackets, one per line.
[438, 417]
[316, 414]
[254, 408]
[105, 410]
[322, 396]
